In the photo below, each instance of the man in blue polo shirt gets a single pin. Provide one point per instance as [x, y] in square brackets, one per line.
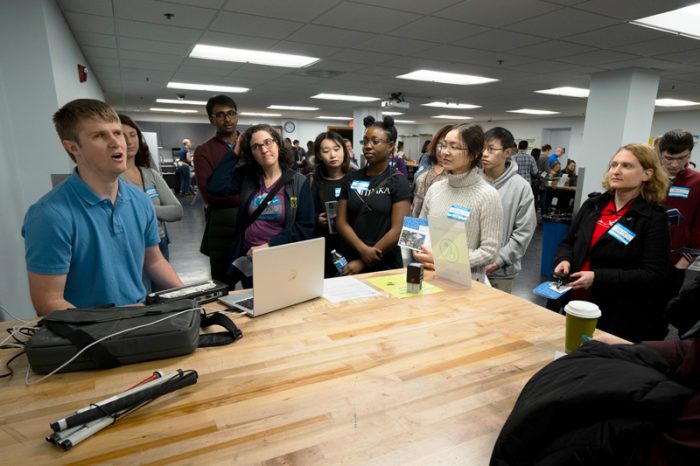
[90, 239]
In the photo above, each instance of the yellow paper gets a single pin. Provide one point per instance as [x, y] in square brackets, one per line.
[396, 286]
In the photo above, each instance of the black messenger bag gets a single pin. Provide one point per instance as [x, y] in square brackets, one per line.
[126, 335]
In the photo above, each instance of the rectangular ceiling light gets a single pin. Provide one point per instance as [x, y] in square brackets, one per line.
[322, 117]
[173, 110]
[566, 91]
[452, 117]
[178, 101]
[392, 113]
[292, 107]
[256, 57]
[446, 78]
[206, 87]
[675, 103]
[349, 98]
[259, 114]
[406, 122]
[684, 21]
[532, 111]
[452, 105]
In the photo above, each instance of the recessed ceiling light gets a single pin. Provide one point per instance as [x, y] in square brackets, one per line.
[259, 114]
[532, 111]
[675, 103]
[452, 105]
[392, 113]
[452, 117]
[566, 91]
[173, 110]
[207, 87]
[178, 101]
[408, 122]
[349, 98]
[446, 78]
[323, 117]
[684, 21]
[256, 57]
[292, 107]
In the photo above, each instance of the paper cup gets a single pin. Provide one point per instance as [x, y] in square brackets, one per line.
[581, 319]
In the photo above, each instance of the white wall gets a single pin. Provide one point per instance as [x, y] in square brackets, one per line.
[34, 78]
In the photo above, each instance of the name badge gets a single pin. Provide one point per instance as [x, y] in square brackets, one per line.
[621, 233]
[359, 185]
[337, 192]
[151, 192]
[459, 213]
[679, 191]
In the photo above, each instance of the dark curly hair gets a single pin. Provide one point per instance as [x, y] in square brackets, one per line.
[286, 159]
[386, 125]
[143, 156]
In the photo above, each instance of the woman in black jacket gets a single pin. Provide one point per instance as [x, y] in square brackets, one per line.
[617, 249]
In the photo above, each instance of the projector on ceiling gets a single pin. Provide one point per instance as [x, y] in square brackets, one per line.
[395, 104]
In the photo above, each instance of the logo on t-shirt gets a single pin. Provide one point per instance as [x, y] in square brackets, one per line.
[273, 210]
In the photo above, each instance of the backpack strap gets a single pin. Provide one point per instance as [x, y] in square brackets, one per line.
[81, 339]
[231, 334]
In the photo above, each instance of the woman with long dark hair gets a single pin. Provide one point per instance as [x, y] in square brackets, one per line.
[433, 173]
[140, 173]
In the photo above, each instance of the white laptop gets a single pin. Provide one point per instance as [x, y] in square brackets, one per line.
[282, 276]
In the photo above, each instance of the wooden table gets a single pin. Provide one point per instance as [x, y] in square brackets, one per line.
[424, 380]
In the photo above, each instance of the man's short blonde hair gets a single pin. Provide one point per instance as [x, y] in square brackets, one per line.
[68, 117]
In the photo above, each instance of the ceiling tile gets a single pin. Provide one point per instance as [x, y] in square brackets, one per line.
[598, 57]
[615, 36]
[129, 64]
[551, 49]
[414, 6]
[497, 40]
[215, 4]
[142, 45]
[257, 26]
[663, 46]
[95, 39]
[487, 13]
[362, 56]
[223, 39]
[90, 23]
[91, 7]
[150, 56]
[365, 18]
[334, 37]
[141, 30]
[562, 23]
[437, 30]
[310, 50]
[100, 52]
[150, 11]
[297, 10]
[395, 45]
[631, 9]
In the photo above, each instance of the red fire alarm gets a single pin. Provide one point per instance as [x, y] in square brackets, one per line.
[82, 73]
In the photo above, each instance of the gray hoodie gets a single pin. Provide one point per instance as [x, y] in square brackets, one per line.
[519, 219]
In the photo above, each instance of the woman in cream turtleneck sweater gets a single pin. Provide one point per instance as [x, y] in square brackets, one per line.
[466, 192]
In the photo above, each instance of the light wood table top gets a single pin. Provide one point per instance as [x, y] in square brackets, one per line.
[422, 380]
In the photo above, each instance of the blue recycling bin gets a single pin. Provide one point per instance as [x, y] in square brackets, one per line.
[552, 234]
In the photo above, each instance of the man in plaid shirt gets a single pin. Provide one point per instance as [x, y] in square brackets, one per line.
[527, 167]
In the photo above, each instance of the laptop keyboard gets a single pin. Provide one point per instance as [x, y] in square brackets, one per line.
[246, 303]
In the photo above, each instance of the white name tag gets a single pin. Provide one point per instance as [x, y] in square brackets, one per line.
[679, 191]
[337, 192]
[459, 213]
[621, 233]
[151, 192]
[359, 185]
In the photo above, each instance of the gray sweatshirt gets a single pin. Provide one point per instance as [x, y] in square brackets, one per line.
[519, 219]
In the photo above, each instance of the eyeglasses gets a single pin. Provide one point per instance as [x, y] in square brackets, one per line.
[453, 148]
[266, 143]
[681, 158]
[223, 115]
[492, 150]
[372, 142]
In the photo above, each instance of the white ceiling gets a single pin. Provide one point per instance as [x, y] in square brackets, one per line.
[134, 50]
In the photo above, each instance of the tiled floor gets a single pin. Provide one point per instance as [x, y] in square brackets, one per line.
[192, 266]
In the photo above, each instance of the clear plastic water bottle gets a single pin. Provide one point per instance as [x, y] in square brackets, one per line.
[338, 260]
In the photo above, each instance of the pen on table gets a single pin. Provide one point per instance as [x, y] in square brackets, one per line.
[152, 381]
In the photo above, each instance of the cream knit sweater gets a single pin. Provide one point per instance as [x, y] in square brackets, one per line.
[483, 227]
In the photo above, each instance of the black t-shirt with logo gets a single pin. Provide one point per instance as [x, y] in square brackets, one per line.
[369, 203]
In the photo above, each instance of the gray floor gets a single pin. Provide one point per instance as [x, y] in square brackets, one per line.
[192, 266]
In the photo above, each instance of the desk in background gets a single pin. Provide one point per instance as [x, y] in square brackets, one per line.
[384, 381]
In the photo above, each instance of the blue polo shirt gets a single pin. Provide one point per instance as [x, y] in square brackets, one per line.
[100, 246]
